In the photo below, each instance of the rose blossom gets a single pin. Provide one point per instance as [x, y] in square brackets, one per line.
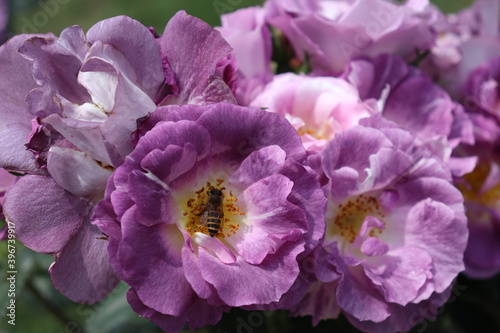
[481, 186]
[411, 99]
[333, 32]
[465, 40]
[317, 107]
[182, 270]
[396, 231]
[85, 95]
[482, 101]
[247, 33]
[481, 190]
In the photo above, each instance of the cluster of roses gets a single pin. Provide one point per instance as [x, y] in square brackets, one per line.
[357, 186]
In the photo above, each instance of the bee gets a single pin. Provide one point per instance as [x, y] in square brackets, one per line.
[212, 216]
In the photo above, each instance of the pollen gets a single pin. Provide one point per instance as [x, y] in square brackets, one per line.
[348, 217]
[322, 132]
[212, 210]
[303, 130]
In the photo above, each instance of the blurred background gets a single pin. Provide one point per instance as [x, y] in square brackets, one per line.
[30, 16]
[473, 307]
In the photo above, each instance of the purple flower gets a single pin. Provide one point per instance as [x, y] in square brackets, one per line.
[85, 95]
[465, 40]
[396, 231]
[77, 99]
[247, 33]
[213, 209]
[333, 32]
[481, 186]
[317, 107]
[445, 53]
[482, 101]
[90, 89]
[408, 97]
[481, 190]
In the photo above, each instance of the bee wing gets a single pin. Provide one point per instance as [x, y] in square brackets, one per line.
[204, 218]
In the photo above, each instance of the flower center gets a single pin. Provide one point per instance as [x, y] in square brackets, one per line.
[319, 134]
[345, 219]
[322, 131]
[473, 189]
[212, 210]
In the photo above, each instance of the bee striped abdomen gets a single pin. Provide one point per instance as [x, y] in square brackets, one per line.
[213, 214]
[213, 222]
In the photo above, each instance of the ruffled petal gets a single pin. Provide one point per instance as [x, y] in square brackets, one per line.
[15, 127]
[259, 164]
[271, 220]
[157, 266]
[138, 46]
[444, 241]
[256, 132]
[77, 172]
[193, 49]
[400, 274]
[46, 215]
[242, 283]
[82, 271]
[56, 63]
[198, 315]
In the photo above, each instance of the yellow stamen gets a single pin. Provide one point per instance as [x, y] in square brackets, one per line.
[473, 190]
[194, 207]
[347, 217]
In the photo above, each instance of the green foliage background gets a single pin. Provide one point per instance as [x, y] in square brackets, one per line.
[474, 306]
[26, 15]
